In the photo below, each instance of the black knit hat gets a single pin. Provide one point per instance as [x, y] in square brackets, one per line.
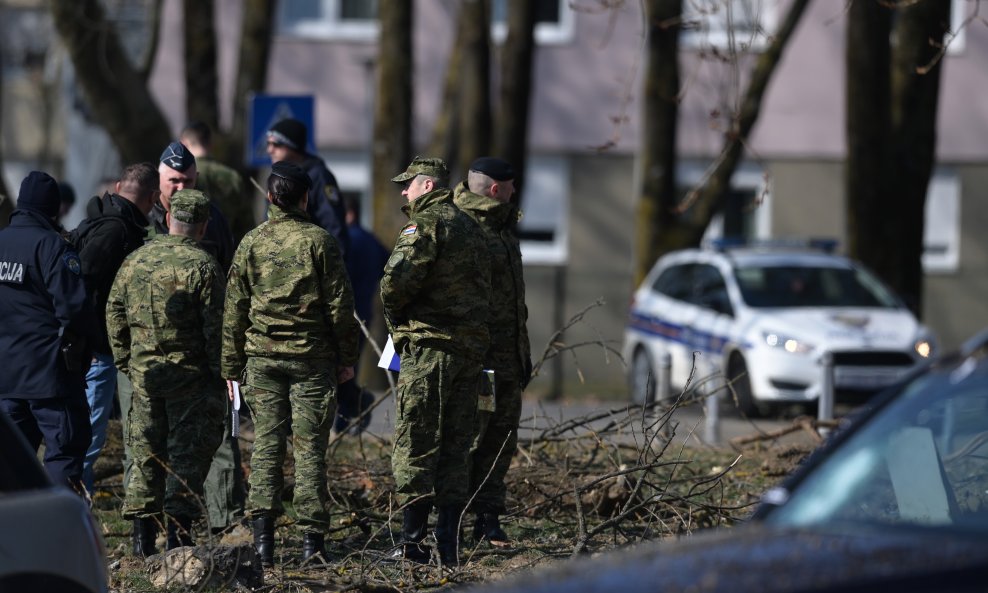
[291, 172]
[290, 132]
[39, 193]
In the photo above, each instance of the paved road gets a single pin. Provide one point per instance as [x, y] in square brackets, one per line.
[579, 417]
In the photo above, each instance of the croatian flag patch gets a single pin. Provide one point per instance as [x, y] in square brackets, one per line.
[409, 230]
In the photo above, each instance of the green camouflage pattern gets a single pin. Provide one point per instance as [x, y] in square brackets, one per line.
[509, 354]
[163, 317]
[510, 349]
[226, 187]
[288, 296]
[436, 287]
[436, 409]
[290, 398]
[172, 441]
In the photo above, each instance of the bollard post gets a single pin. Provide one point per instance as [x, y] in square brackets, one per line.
[663, 386]
[711, 425]
[825, 407]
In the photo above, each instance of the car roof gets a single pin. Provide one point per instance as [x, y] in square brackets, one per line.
[762, 256]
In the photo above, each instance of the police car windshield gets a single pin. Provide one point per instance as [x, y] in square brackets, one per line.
[781, 286]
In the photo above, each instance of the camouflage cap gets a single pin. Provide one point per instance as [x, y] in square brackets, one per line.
[189, 205]
[432, 167]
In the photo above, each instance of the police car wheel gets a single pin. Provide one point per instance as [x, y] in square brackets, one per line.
[737, 375]
[641, 378]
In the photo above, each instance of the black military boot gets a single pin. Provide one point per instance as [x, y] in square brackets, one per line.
[263, 527]
[145, 531]
[179, 533]
[314, 544]
[414, 525]
[488, 526]
[448, 535]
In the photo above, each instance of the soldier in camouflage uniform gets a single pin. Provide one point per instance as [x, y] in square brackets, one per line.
[436, 294]
[486, 197]
[163, 319]
[289, 335]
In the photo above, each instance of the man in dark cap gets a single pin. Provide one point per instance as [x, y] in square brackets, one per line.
[48, 326]
[436, 292]
[287, 141]
[164, 316]
[177, 170]
[486, 197]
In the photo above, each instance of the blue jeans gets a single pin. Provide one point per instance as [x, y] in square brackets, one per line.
[101, 383]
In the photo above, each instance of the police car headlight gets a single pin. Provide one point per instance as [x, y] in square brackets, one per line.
[787, 343]
[924, 348]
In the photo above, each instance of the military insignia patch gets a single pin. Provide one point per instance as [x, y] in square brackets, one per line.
[73, 263]
[410, 229]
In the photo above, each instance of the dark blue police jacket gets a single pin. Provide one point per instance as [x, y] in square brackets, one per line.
[325, 203]
[42, 297]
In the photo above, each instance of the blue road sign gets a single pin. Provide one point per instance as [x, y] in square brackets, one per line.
[264, 111]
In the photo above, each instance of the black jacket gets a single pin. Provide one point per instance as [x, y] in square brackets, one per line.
[43, 303]
[325, 202]
[113, 228]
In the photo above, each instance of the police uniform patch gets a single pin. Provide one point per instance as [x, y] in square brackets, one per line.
[332, 195]
[73, 263]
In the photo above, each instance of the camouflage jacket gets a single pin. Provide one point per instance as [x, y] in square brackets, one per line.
[163, 316]
[510, 350]
[436, 287]
[288, 296]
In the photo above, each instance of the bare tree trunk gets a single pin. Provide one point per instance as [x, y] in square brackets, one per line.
[475, 90]
[201, 79]
[511, 129]
[392, 115]
[916, 67]
[114, 89]
[713, 194]
[866, 60]
[655, 219]
[252, 72]
[444, 132]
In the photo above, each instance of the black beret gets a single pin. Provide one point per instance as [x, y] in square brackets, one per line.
[495, 168]
[291, 172]
[178, 157]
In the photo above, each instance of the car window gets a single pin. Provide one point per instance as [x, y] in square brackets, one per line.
[710, 290]
[805, 286]
[675, 282]
[922, 461]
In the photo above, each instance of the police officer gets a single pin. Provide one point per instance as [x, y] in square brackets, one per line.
[163, 319]
[486, 197]
[287, 141]
[46, 328]
[436, 292]
[289, 335]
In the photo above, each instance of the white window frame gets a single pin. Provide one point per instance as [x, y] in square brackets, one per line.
[546, 204]
[330, 26]
[942, 228]
[545, 33]
[705, 36]
[747, 177]
[958, 12]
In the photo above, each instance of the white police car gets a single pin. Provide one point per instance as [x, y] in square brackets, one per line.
[761, 318]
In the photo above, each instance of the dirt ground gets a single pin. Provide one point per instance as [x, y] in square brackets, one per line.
[584, 491]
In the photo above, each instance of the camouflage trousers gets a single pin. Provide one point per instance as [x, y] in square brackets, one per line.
[434, 428]
[290, 397]
[172, 441]
[495, 445]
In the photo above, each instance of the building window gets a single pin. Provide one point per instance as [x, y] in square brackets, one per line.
[553, 21]
[941, 234]
[739, 24]
[328, 19]
[745, 215]
[544, 226]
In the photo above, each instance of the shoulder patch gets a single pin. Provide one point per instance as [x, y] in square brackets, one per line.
[332, 194]
[410, 229]
[72, 262]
